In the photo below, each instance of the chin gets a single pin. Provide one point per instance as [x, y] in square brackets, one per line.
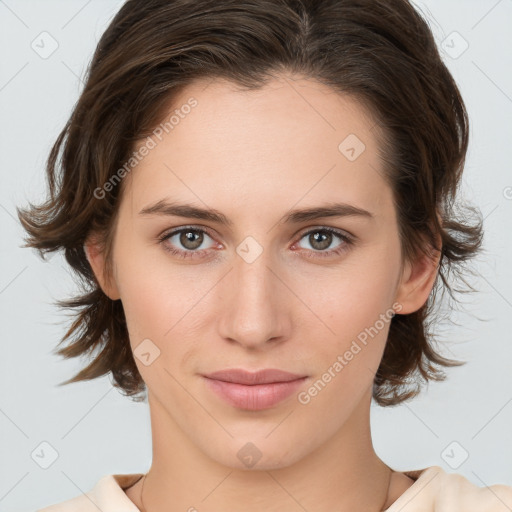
[258, 455]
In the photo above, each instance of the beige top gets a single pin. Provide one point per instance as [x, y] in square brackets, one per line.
[434, 490]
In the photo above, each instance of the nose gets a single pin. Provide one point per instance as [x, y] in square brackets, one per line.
[255, 311]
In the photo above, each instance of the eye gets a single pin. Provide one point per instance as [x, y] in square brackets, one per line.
[188, 242]
[320, 239]
[189, 238]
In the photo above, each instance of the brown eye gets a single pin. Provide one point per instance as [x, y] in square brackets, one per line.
[191, 239]
[186, 242]
[321, 239]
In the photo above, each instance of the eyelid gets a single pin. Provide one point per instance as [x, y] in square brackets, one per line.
[178, 229]
[336, 231]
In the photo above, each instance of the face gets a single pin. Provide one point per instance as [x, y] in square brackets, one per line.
[258, 284]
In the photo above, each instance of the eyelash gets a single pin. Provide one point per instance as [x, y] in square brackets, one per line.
[346, 239]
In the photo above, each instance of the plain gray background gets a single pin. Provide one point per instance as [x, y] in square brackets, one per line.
[93, 429]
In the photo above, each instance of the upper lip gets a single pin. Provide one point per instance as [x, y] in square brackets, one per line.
[241, 376]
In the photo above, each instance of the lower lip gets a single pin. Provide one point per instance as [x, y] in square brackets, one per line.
[257, 397]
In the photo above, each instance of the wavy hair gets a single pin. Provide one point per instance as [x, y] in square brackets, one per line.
[380, 52]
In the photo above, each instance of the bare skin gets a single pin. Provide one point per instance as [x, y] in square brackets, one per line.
[254, 156]
[398, 485]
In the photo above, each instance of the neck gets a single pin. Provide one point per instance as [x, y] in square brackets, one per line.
[342, 474]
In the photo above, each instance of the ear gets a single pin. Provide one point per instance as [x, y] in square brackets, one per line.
[417, 280]
[96, 257]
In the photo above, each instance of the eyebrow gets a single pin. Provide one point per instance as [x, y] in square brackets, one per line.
[296, 216]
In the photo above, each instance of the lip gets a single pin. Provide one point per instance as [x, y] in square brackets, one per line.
[265, 376]
[253, 391]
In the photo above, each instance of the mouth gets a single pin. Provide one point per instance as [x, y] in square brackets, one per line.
[265, 376]
[254, 390]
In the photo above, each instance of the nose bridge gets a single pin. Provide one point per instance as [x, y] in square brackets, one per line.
[252, 313]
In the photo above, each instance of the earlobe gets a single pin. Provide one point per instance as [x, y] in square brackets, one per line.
[96, 258]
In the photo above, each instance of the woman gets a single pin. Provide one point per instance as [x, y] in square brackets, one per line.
[260, 195]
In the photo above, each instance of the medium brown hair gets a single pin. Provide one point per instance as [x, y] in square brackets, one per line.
[381, 52]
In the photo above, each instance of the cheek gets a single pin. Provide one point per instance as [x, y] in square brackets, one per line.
[356, 310]
[354, 300]
[161, 303]
[349, 359]
[143, 302]
[151, 294]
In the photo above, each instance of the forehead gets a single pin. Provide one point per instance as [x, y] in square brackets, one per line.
[291, 113]
[294, 139]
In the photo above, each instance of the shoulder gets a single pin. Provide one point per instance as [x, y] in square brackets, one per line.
[107, 495]
[456, 490]
[435, 490]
